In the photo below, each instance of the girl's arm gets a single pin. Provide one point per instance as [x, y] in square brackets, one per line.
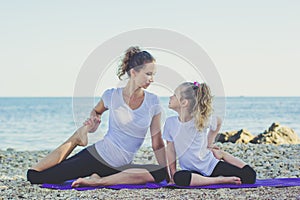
[95, 116]
[171, 158]
[212, 134]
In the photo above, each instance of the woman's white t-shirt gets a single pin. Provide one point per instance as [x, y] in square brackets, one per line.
[127, 128]
[191, 145]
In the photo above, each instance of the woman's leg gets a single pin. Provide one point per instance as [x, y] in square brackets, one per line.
[188, 178]
[128, 174]
[82, 164]
[59, 154]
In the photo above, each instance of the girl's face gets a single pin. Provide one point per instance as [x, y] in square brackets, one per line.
[144, 77]
[174, 102]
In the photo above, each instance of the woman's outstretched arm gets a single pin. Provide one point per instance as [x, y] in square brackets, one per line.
[171, 158]
[95, 115]
[158, 145]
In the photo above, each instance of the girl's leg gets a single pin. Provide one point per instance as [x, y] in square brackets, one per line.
[59, 154]
[246, 173]
[222, 155]
[198, 180]
[188, 178]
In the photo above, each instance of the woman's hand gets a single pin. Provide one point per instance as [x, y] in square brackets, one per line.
[93, 123]
[171, 182]
[94, 114]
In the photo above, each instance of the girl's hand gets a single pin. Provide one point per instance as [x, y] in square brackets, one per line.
[219, 154]
[211, 147]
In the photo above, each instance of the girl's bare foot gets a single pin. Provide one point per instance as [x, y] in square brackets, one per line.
[198, 180]
[231, 180]
[93, 180]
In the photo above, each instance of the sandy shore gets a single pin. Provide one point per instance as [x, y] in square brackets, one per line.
[268, 160]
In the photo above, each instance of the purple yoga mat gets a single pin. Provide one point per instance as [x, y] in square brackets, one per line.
[278, 182]
[67, 186]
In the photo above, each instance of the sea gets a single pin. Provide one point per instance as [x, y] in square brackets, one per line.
[42, 123]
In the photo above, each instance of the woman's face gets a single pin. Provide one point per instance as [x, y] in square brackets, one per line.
[144, 77]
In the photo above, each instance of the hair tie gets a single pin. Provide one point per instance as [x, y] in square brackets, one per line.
[197, 84]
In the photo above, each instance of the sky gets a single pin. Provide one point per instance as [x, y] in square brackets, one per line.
[254, 45]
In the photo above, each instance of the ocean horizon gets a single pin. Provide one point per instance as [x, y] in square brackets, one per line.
[42, 123]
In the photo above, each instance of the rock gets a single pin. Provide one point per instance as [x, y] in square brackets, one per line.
[241, 136]
[277, 134]
[10, 149]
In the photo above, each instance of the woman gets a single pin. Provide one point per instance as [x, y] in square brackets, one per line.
[132, 110]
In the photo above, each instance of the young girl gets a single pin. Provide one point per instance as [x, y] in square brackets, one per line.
[190, 137]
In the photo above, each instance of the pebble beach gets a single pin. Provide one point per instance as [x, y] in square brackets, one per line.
[269, 161]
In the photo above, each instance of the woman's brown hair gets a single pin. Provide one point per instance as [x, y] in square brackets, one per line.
[134, 58]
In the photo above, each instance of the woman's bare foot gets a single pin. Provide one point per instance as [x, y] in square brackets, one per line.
[80, 136]
[93, 180]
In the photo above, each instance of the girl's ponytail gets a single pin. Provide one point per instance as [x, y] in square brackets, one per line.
[203, 105]
[200, 102]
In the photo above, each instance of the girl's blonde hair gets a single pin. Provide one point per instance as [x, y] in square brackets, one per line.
[200, 102]
[134, 58]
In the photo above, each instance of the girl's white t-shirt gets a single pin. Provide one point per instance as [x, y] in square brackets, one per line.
[127, 128]
[191, 145]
